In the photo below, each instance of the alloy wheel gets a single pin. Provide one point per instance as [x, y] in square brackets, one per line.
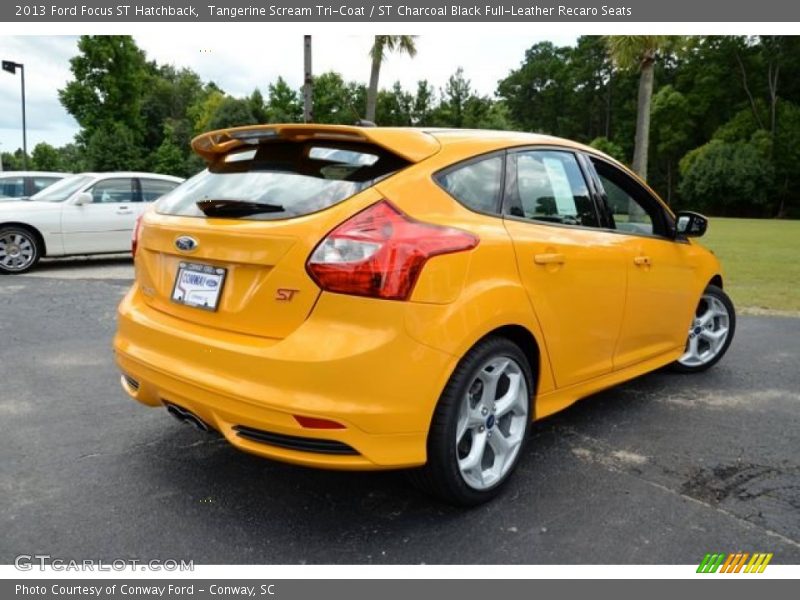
[491, 423]
[17, 250]
[708, 332]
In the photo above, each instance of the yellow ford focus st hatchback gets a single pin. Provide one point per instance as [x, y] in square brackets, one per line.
[380, 298]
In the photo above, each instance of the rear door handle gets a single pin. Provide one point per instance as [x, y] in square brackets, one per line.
[641, 261]
[549, 259]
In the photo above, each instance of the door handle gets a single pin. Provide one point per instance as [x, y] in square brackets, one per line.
[641, 261]
[124, 210]
[549, 259]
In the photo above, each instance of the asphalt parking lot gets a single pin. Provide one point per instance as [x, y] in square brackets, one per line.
[660, 470]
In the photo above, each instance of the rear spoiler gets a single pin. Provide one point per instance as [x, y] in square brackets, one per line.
[412, 144]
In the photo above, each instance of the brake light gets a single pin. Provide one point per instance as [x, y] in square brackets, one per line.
[137, 230]
[380, 252]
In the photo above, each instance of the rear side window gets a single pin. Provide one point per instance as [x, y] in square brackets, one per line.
[153, 189]
[476, 184]
[549, 186]
[281, 179]
[13, 187]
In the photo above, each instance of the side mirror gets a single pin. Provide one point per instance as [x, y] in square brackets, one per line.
[690, 224]
[83, 198]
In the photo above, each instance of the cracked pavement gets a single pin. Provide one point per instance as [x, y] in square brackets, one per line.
[659, 470]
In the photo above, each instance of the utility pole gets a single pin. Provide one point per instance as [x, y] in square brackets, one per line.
[11, 67]
[308, 82]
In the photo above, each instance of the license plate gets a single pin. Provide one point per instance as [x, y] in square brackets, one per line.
[198, 285]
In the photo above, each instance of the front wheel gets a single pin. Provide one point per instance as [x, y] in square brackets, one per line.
[19, 250]
[480, 425]
[710, 334]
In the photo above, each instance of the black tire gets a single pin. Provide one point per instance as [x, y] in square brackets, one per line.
[717, 293]
[29, 240]
[441, 476]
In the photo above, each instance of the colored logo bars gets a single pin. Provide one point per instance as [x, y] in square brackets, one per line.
[735, 563]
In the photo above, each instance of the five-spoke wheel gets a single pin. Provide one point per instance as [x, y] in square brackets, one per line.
[480, 424]
[491, 422]
[710, 332]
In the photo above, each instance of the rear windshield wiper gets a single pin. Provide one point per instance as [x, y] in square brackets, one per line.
[236, 208]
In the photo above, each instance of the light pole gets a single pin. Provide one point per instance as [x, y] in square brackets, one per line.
[11, 67]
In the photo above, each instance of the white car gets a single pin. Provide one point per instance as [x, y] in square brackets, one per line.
[19, 185]
[88, 213]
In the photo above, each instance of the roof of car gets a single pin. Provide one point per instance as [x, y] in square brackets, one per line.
[498, 138]
[33, 174]
[132, 174]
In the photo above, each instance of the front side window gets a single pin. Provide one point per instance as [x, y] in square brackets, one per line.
[548, 186]
[110, 191]
[477, 184]
[633, 209]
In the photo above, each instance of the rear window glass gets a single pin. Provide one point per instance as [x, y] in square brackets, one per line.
[289, 179]
[476, 184]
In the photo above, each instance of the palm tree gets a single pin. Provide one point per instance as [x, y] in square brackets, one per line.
[639, 52]
[308, 81]
[380, 48]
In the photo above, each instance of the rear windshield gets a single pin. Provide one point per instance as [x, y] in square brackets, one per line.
[289, 179]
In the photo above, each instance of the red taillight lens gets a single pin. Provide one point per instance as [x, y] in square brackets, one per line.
[380, 252]
[137, 230]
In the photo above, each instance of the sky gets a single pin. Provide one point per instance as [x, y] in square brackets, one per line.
[239, 64]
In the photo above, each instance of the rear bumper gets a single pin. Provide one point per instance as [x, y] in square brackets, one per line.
[346, 363]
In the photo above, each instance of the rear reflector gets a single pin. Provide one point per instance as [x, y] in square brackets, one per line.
[380, 252]
[314, 423]
[137, 230]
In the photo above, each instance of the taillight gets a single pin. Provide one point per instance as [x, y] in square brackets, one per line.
[380, 252]
[137, 230]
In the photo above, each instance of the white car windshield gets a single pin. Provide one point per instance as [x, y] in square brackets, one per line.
[61, 190]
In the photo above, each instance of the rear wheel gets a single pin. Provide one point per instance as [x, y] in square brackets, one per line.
[19, 250]
[710, 334]
[480, 425]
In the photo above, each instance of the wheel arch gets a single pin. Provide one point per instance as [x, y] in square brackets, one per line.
[527, 342]
[716, 280]
[33, 230]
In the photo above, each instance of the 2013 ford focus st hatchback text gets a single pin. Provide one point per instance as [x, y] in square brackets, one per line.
[379, 298]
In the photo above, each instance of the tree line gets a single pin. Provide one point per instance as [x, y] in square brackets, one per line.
[711, 122]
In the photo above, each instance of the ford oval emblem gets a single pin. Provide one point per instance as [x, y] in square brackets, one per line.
[186, 243]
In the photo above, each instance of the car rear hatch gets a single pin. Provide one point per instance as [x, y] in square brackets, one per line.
[227, 249]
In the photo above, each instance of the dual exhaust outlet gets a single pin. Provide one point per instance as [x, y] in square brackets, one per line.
[186, 416]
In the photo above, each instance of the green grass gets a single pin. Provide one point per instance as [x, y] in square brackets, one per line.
[760, 261]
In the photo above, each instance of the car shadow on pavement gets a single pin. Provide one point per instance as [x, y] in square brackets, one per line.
[72, 262]
[348, 516]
